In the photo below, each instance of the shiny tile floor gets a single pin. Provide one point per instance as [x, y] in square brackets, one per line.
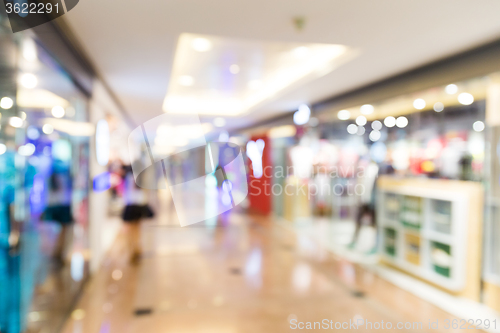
[245, 274]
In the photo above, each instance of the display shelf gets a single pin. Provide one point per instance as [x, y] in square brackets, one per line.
[428, 236]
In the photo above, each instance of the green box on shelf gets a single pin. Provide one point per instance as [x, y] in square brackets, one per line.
[390, 241]
[441, 258]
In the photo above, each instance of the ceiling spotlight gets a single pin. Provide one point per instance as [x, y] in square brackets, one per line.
[367, 109]
[234, 69]
[302, 116]
[451, 89]
[478, 126]
[390, 121]
[343, 114]
[419, 104]
[376, 125]
[16, 122]
[201, 44]
[58, 111]
[438, 107]
[28, 80]
[352, 129]
[361, 130]
[375, 135]
[6, 103]
[219, 122]
[361, 120]
[47, 129]
[186, 80]
[465, 99]
[29, 50]
[402, 122]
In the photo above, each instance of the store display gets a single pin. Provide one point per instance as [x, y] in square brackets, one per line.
[438, 234]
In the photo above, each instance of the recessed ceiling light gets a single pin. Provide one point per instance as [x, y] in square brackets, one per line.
[390, 121]
[451, 89]
[343, 114]
[234, 69]
[6, 103]
[419, 104]
[361, 130]
[300, 52]
[402, 122]
[201, 44]
[219, 122]
[361, 120]
[48, 129]
[58, 111]
[375, 135]
[478, 126]
[367, 109]
[16, 122]
[186, 80]
[438, 107]
[377, 125]
[465, 99]
[28, 80]
[352, 129]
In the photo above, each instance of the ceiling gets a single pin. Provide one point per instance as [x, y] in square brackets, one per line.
[133, 44]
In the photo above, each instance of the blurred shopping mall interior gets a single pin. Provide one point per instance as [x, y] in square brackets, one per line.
[249, 166]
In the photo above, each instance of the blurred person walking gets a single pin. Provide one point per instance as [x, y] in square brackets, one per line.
[366, 211]
[136, 209]
[59, 207]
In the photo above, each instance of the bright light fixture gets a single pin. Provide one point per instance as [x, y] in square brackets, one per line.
[16, 122]
[27, 149]
[219, 122]
[58, 111]
[465, 99]
[201, 44]
[376, 125]
[361, 120]
[438, 107]
[478, 126]
[47, 129]
[374, 135]
[300, 52]
[343, 114]
[268, 78]
[234, 69]
[419, 104]
[402, 122]
[352, 129]
[390, 121]
[367, 109]
[29, 51]
[3, 148]
[186, 80]
[451, 89]
[6, 103]
[28, 80]
[361, 130]
[302, 116]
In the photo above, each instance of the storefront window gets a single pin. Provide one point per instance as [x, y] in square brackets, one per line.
[44, 156]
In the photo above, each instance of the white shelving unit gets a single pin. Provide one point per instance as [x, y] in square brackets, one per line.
[431, 231]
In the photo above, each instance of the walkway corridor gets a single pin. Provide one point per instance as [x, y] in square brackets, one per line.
[246, 274]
